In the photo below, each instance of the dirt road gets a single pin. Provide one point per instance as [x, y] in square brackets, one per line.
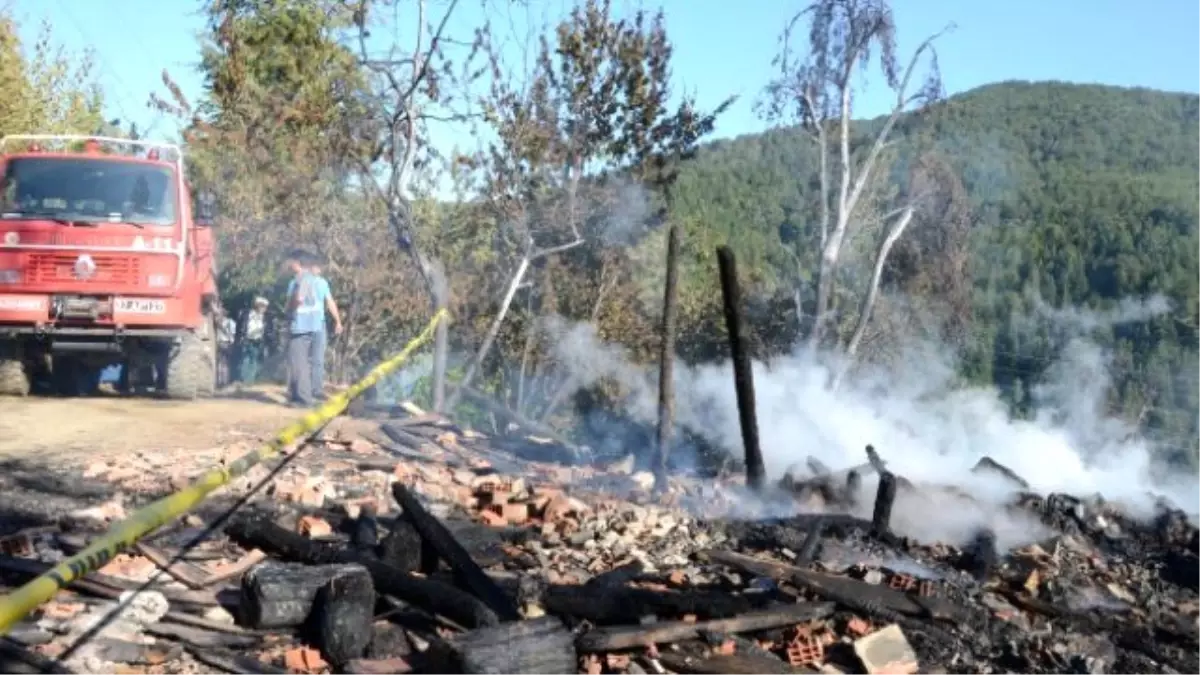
[59, 454]
[75, 429]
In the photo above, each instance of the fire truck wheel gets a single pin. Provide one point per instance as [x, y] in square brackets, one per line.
[14, 379]
[191, 370]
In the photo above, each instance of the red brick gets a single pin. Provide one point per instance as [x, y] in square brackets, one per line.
[492, 518]
[312, 526]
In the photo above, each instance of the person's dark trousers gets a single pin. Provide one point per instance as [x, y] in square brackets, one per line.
[299, 357]
[319, 342]
[251, 361]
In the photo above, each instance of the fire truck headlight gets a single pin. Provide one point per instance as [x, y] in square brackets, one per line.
[10, 276]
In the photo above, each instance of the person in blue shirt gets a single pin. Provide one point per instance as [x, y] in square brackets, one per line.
[320, 337]
[308, 296]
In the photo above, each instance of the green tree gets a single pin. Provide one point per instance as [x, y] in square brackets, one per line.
[47, 92]
[591, 127]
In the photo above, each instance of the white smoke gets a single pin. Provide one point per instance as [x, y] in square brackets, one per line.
[1127, 310]
[924, 424]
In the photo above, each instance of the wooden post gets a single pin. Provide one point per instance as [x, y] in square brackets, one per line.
[666, 363]
[743, 378]
[885, 496]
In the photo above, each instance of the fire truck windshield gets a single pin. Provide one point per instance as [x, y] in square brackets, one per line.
[87, 190]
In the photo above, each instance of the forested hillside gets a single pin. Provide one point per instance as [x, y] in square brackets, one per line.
[1082, 196]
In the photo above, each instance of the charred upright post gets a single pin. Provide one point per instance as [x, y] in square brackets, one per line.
[885, 496]
[743, 379]
[666, 367]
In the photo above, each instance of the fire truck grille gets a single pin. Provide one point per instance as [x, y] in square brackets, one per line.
[103, 271]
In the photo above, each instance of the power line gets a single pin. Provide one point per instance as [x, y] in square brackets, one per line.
[100, 60]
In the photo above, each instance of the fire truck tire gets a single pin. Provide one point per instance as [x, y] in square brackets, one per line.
[14, 378]
[191, 370]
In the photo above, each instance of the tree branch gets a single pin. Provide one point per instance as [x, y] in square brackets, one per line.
[868, 303]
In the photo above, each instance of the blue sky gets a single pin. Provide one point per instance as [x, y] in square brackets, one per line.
[722, 47]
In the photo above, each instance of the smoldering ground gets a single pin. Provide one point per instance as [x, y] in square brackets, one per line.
[928, 427]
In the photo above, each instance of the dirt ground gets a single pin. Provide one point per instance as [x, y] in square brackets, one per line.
[58, 455]
[74, 429]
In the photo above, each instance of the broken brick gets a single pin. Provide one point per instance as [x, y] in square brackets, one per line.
[62, 610]
[304, 660]
[561, 506]
[492, 518]
[17, 545]
[804, 650]
[858, 627]
[312, 526]
[617, 662]
[902, 582]
[130, 567]
[354, 507]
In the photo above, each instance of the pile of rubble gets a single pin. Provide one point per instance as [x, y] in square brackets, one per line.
[425, 547]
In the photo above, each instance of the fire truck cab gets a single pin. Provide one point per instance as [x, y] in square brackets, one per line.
[103, 262]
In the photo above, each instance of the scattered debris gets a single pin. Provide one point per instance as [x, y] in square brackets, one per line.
[427, 547]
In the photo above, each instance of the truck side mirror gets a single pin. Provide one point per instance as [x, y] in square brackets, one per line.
[206, 209]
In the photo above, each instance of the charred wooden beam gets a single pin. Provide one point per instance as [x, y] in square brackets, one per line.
[364, 531]
[537, 428]
[666, 363]
[281, 595]
[468, 573]
[885, 498]
[628, 637]
[989, 465]
[431, 596]
[618, 576]
[980, 556]
[875, 460]
[16, 658]
[201, 637]
[743, 376]
[791, 532]
[233, 662]
[853, 483]
[886, 603]
[402, 436]
[539, 646]
[808, 552]
[342, 616]
[105, 586]
[717, 664]
[182, 571]
[607, 605]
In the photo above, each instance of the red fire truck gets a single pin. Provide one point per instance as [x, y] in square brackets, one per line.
[105, 259]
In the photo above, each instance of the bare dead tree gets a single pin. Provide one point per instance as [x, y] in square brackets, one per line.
[407, 92]
[814, 88]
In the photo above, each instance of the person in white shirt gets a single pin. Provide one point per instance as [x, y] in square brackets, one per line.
[226, 332]
[252, 340]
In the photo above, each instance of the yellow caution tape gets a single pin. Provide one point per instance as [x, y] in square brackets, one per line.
[14, 606]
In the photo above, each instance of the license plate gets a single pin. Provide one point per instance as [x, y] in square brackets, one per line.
[140, 306]
[22, 303]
